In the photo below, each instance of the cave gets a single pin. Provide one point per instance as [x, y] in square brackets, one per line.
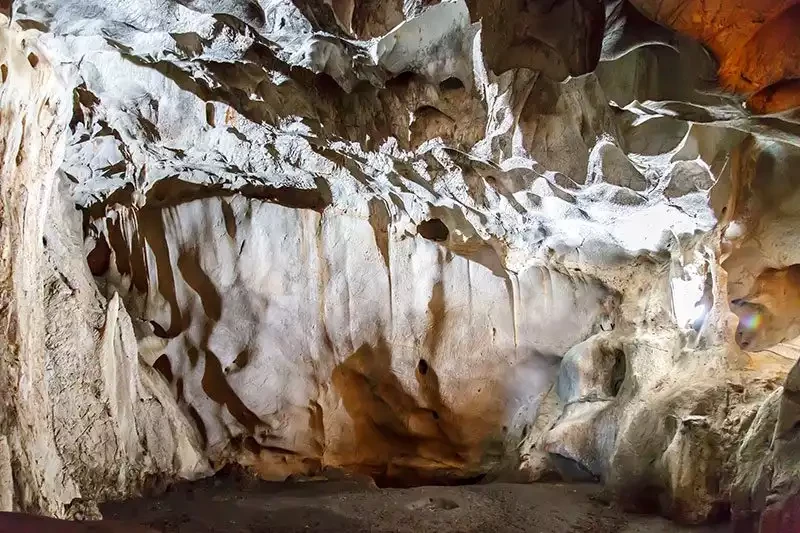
[421, 265]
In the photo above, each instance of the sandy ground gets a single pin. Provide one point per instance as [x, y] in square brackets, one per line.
[231, 505]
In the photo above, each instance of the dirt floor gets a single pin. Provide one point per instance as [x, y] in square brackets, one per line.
[229, 505]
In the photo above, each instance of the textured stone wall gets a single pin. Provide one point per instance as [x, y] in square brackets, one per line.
[404, 240]
[82, 419]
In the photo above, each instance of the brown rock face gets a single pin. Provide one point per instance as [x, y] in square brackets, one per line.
[756, 42]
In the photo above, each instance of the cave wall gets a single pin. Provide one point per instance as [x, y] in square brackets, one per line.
[300, 237]
[325, 340]
[82, 419]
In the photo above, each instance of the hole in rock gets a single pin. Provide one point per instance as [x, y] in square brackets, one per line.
[618, 372]
[434, 230]
[99, 259]
[671, 425]
[158, 331]
[251, 445]
[720, 513]
[402, 79]
[33, 59]
[164, 367]
[571, 470]
[4, 72]
[210, 113]
[451, 84]
[242, 359]
[422, 366]
[646, 499]
[254, 14]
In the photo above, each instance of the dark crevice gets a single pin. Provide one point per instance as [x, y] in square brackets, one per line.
[430, 112]
[99, 259]
[198, 422]
[618, 372]
[451, 84]
[159, 331]
[30, 24]
[164, 367]
[173, 191]
[218, 389]
[179, 390]
[385, 481]
[643, 499]
[434, 230]
[210, 120]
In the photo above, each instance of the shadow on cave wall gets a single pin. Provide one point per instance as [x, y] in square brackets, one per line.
[403, 442]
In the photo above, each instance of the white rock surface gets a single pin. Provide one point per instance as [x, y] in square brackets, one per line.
[361, 241]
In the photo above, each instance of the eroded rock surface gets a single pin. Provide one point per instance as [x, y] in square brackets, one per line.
[402, 239]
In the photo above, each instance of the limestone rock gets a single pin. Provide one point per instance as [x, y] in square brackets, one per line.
[423, 241]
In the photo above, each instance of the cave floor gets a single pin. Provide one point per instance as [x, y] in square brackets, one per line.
[230, 506]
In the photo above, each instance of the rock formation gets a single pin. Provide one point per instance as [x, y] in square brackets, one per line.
[427, 241]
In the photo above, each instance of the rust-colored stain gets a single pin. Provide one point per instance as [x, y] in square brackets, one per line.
[230, 114]
[399, 439]
[757, 43]
[385, 416]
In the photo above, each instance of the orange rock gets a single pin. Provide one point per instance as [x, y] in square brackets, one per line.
[757, 43]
